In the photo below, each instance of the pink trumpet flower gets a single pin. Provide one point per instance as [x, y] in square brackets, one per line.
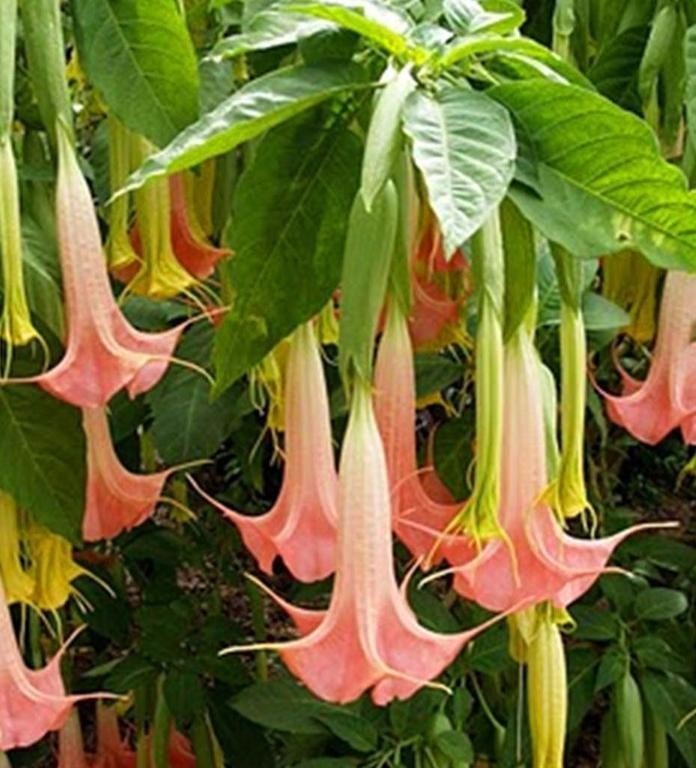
[71, 748]
[368, 638]
[197, 256]
[117, 500]
[414, 510]
[536, 560]
[651, 409]
[32, 702]
[301, 527]
[434, 315]
[104, 352]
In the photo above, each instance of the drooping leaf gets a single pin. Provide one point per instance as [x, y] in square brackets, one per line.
[288, 238]
[520, 266]
[594, 178]
[464, 145]
[382, 145]
[250, 111]
[43, 450]
[138, 53]
[615, 71]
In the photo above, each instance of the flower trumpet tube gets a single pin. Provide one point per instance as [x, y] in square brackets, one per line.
[16, 327]
[117, 500]
[119, 250]
[104, 352]
[439, 289]
[112, 750]
[479, 516]
[666, 400]
[19, 585]
[535, 560]
[301, 527]
[71, 749]
[52, 569]
[159, 274]
[567, 493]
[32, 702]
[414, 511]
[195, 254]
[368, 638]
[630, 280]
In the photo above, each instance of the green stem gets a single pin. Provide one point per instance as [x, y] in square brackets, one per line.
[43, 36]
[161, 728]
[202, 743]
[258, 621]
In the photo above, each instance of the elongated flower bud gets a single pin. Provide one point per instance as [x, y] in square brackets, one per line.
[547, 695]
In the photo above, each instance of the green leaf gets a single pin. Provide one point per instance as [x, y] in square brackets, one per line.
[288, 238]
[600, 314]
[186, 424]
[284, 706]
[594, 624]
[138, 53]
[268, 29]
[671, 699]
[655, 653]
[455, 745]
[614, 72]
[491, 16]
[46, 474]
[383, 137]
[379, 23]
[661, 39]
[41, 272]
[366, 264]
[496, 47]
[184, 695]
[690, 58]
[582, 672]
[659, 604]
[598, 181]
[464, 145]
[454, 442]
[611, 668]
[250, 111]
[435, 372]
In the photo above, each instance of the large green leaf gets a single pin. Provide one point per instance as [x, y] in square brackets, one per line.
[186, 424]
[42, 445]
[138, 53]
[387, 27]
[248, 112]
[288, 238]
[464, 145]
[596, 181]
[269, 29]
